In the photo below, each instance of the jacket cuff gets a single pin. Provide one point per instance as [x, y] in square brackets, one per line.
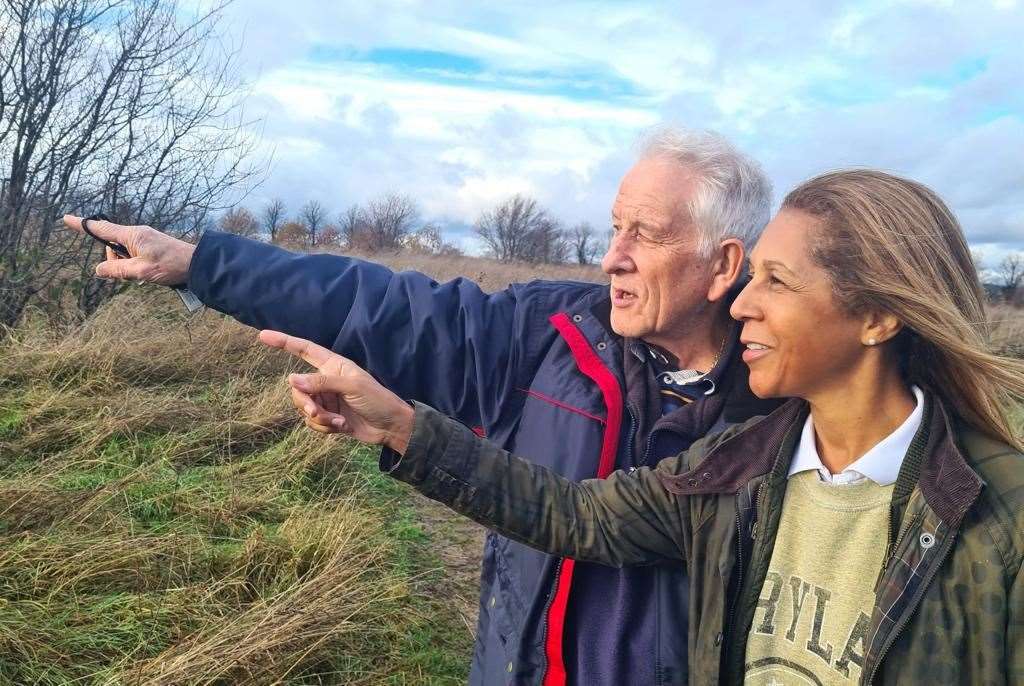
[437, 443]
[198, 270]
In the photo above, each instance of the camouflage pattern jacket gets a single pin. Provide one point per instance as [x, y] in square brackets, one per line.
[949, 601]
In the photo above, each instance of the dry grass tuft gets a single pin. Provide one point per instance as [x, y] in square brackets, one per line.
[317, 584]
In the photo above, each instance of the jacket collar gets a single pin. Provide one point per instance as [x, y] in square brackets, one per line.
[949, 484]
[732, 400]
[934, 462]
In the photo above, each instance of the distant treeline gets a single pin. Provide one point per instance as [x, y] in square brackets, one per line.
[517, 230]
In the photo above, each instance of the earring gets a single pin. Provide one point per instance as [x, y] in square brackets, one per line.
[872, 341]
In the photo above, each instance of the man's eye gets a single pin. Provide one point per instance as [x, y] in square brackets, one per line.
[775, 280]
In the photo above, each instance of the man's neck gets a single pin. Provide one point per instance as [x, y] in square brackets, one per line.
[700, 346]
[854, 416]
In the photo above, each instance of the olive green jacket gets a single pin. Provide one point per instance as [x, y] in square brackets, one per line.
[949, 602]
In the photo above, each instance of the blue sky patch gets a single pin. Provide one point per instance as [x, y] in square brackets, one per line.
[579, 83]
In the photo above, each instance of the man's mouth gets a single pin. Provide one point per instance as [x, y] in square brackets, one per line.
[621, 297]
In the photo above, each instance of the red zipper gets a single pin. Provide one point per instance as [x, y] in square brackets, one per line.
[591, 365]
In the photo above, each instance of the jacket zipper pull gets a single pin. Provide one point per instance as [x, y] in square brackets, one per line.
[885, 565]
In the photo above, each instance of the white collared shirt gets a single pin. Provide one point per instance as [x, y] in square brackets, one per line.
[881, 464]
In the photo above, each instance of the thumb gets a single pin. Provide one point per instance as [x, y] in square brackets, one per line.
[131, 268]
[318, 382]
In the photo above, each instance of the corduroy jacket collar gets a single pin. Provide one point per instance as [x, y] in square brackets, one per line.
[935, 462]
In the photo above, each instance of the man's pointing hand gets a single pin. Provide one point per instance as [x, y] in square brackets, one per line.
[155, 256]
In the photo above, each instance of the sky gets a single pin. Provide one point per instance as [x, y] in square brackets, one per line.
[461, 105]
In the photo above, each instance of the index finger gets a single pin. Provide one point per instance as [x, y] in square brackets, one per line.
[316, 355]
[104, 229]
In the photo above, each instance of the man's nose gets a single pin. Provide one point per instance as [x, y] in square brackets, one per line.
[616, 259]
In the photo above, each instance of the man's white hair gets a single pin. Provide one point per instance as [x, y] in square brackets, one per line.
[734, 196]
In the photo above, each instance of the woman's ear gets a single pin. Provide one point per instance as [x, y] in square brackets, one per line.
[726, 268]
[880, 327]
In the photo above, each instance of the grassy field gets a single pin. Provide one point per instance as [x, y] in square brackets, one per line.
[164, 519]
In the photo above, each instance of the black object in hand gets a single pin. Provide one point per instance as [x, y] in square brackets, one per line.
[188, 299]
[118, 249]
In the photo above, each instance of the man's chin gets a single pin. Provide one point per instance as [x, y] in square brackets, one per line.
[627, 327]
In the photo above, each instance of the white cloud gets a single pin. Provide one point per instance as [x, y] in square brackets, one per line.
[932, 90]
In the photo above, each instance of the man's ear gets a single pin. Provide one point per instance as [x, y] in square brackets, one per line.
[726, 268]
[880, 327]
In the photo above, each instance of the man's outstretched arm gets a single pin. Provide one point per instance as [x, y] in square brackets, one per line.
[439, 343]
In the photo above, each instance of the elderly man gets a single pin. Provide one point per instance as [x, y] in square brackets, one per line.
[582, 378]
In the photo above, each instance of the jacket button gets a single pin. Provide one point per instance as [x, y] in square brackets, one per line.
[509, 667]
[691, 482]
[718, 639]
[602, 345]
[576, 318]
[706, 475]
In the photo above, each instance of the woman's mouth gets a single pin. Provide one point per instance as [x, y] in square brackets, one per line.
[754, 351]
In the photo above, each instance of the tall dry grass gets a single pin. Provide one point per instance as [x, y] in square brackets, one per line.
[1007, 325]
[490, 274]
[165, 519]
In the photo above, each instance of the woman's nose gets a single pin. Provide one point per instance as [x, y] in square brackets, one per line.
[744, 307]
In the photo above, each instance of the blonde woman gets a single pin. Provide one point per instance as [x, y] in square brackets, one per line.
[871, 530]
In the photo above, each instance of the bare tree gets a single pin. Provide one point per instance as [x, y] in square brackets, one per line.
[548, 244]
[330, 236]
[389, 219]
[273, 216]
[120, 106]
[584, 243]
[354, 227]
[1011, 274]
[519, 229]
[313, 215]
[427, 240]
[241, 222]
[292, 235]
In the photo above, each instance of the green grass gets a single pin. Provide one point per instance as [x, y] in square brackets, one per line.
[176, 524]
[10, 419]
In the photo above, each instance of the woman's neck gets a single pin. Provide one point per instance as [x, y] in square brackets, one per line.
[853, 417]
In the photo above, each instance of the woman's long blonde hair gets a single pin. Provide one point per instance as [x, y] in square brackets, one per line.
[890, 244]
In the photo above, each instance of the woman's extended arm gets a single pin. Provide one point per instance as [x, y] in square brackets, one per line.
[626, 519]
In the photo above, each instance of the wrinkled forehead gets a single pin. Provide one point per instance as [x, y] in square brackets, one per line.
[656, 192]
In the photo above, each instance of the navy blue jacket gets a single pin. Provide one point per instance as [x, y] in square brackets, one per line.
[537, 369]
